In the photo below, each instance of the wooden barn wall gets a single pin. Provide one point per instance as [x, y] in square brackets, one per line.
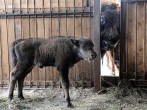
[30, 27]
[134, 39]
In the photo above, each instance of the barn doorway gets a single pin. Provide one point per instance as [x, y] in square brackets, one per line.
[110, 61]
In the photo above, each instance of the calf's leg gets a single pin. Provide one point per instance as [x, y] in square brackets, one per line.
[12, 84]
[65, 86]
[20, 87]
[18, 74]
[20, 83]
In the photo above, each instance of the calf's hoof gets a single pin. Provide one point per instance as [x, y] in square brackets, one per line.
[10, 98]
[21, 97]
[70, 105]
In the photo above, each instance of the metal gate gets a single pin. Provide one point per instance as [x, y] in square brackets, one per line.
[133, 41]
[44, 18]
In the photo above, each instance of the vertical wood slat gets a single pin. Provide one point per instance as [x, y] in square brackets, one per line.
[126, 41]
[140, 38]
[1, 75]
[122, 38]
[5, 62]
[146, 41]
[131, 37]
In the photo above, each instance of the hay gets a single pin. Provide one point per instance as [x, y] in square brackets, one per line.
[113, 98]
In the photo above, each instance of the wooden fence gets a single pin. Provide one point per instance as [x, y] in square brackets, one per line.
[134, 40]
[45, 18]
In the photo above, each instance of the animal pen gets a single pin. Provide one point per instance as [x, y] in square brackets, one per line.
[44, 18]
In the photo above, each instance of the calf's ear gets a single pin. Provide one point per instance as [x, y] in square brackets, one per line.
[75, 42]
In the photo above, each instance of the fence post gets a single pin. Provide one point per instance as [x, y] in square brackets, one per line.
[96, 39]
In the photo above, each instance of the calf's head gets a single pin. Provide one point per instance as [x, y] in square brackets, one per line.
[85, 49]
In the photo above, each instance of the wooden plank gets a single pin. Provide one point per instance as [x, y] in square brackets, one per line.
[8, 5]
[54, 3]
[31, 5]
[131, 37]
[5, 62]
[38, 4]
[16, 5]
[47, 27]
[62, 26]
[96, 39]
[2, 6]
[77, 26]
[55, 30]
[122, 40]
[25, 28]
[24, 5]
[63, 19]
[11, 38]
[1, 71]
[17, 28]
[70, 27]
[140, 37]
[146, 41]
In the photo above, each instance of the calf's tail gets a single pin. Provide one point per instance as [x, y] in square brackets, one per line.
[12, 51]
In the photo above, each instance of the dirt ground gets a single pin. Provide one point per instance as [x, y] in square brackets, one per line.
[112, 98]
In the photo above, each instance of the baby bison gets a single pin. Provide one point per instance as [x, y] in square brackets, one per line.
[61, 52]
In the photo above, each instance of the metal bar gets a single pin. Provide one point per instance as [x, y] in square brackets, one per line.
[51, 33]
[29, 37]
[89, 4]
[9, 15]
[44, 36]
[82, 63]
[75, 73]
[96, 39]
[36, 37]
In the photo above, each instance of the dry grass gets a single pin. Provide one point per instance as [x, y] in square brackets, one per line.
[83, 99]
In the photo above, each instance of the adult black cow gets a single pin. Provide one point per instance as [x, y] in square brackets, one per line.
[110, 30]
[61, 52]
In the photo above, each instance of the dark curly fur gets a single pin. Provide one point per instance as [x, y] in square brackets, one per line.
[61, 52]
